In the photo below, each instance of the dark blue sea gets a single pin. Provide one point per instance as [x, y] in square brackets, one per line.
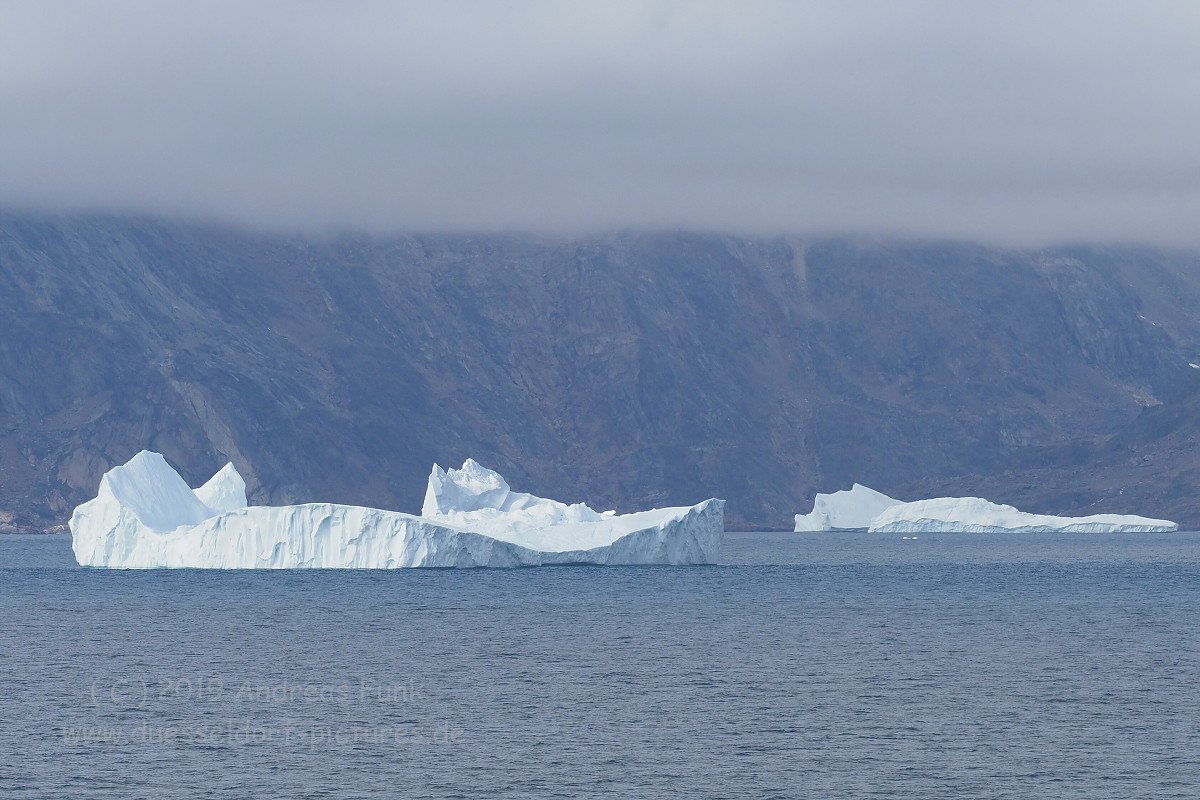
[815, 665]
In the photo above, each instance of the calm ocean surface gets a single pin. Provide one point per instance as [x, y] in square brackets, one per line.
[822, 665]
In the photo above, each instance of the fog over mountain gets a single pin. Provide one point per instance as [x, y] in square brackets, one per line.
[624, 370]
[1027, 123]
[630, 252]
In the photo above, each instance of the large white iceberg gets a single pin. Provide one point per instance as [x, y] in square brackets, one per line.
[852, 509]
[145, 516]
[976, 515]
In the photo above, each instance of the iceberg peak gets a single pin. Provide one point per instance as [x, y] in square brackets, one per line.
[151, 491]
[225, 491]
[470, 488]
[474, 488]
[845, 510]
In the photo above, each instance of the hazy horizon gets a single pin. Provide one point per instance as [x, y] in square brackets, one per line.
[333, 231]
[1023, 124]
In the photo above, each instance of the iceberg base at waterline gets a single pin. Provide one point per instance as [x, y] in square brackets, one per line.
[976, 515]
[145, 516]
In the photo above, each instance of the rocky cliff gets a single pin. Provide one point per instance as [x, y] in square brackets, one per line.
[622, 370]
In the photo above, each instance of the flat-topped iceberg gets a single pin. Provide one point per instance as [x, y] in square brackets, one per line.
[852, 509]
[976, 515]
[145, 516]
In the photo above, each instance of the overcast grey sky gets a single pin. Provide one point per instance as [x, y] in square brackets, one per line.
[1017, 121]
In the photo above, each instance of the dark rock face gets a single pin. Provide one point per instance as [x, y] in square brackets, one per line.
[622, 370]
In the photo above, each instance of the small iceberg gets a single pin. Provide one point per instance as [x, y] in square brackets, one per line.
[976, 515]
[851, 509]
[145, 516]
